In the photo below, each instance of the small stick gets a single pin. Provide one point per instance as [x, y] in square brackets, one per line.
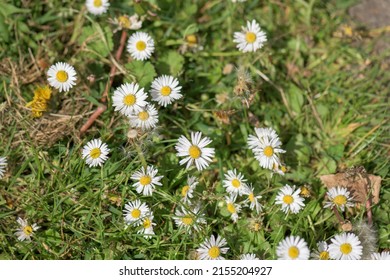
[103, 99]
[336, 212]
[92, 118]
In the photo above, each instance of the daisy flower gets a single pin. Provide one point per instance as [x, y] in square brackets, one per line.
[97, 7]
[129, 99]
[146, 180]
[234, 183]
[146, 118]
[25, 230]
[132, 22]
[165, 90]
[211, 249]
[289, 198]
[135, 212]
[95, 152]
[62, 76]
[253, 200]
[250, 38]
[147, 226]
[345, 246]
[385, 255]
[195, 151]
[3, 166]
[279, 169]
[189, 219]
[293, 248]
[339, 197]
[248, 257]
[140, 46]
[265, 146]
[233, 208]
[322, 251]
[187, 190]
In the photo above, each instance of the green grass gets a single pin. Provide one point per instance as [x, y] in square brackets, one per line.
[335, 117]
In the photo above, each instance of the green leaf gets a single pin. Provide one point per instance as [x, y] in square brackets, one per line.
[4, 33]
[295, 98]
[7, 9]
[96, 42]
[143, 71]
[170, 63]
[336, 151]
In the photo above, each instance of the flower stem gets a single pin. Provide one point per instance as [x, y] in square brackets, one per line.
[141, 155]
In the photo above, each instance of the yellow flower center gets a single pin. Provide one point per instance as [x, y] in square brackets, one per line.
[288, 199]
[136, 213]
[187, 220]
[97, 3]
[194, 152]
[250, 37]
[165, 91]
[140, 45]
[346, 248]
[95, 153]
[231, 208]
[124, 21]
[143, 116]
[340, 200]
[129, 100]
[147, 223]
[236, 183]
[293, 252]
[145, 180]
[214, 252]
[251, 197]
[27, 230]
[268, 151]
[191, 39]
[324, 255]
[256, 226]
[283, 168]
[62, 76]
[184, 191]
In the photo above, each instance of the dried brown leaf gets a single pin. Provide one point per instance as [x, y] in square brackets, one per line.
[360, 184]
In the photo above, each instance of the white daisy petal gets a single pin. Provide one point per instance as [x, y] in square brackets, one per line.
[135, 212]
[234, 183]
[165, 90]
[3, 166]
[339, 197]
[233, 208]
[251, 38]
[345, 246]
[293, 248]
[129, 99]
[62, 76]
[97, 7]
[147, 226]
[212, 248]
[95, 152]
[265, 146]
[146, 180]
[187, 190]
[140, 46]
[190, 219]
[146, 118]
[322, 251]
[25, 231]
[290, 199]
[248, 257]
[194, 153]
